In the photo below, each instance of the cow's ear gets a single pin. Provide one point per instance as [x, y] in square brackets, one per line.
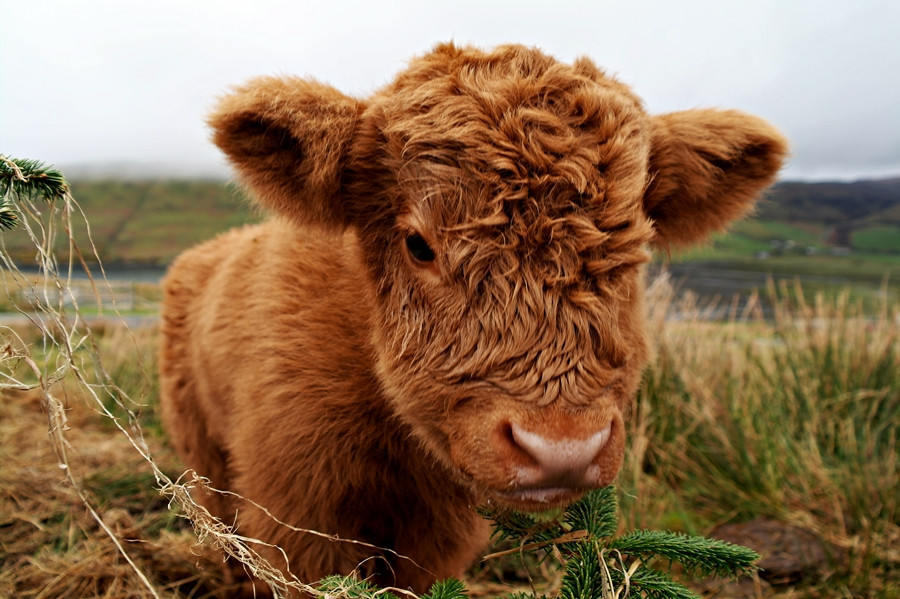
[707, 168]
[287, 139]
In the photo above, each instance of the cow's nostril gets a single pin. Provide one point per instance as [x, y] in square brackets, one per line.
[560, 459]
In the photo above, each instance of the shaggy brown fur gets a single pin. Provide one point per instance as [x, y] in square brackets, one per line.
[445, 308]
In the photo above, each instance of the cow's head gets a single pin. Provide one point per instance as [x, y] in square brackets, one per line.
[504, 203]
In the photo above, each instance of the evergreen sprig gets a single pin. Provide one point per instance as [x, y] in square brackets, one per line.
[353, 588]
[597, 513]
[509, 524]
[598, 565]
[450, 588]
[584, 573]
[651, 584]
[695, 554]
[31, 179]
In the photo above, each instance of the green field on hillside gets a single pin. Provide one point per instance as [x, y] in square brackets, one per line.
[883, 239]
[783, 248]
[147, 222]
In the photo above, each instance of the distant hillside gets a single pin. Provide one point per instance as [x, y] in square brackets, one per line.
[146, 222]
[863, 215]
[150, 222]
[833, 203]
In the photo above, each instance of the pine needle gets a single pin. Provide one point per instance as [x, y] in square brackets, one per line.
[596, 513]
[654, 584]
[696, 554]
[450, 588]
[29, 179]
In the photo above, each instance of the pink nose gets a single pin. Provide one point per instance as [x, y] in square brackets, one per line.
[566, 462]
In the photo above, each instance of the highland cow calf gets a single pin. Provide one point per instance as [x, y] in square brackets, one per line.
[445, 307]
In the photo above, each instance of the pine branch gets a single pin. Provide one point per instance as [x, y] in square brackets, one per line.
[585, 574]
[450, 588]
[594, 573]
[696, 554]
[29, 179]
[653, 584]
[569, 537]
[352, 588]
[596, 512]
[8, 217]
[509, 524]
[600, 566]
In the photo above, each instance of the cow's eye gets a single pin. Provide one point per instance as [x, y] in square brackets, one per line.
[418, 248]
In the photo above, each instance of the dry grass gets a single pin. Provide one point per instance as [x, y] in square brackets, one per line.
[794, 418]
[51, 544]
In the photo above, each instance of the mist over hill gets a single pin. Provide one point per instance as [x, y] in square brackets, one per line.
[144, 171]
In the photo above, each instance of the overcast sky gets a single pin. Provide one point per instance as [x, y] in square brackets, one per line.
[98, 81]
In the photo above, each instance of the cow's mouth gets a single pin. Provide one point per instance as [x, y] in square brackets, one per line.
[538, 499]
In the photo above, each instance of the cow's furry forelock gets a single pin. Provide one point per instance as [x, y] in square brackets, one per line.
[517, 118]
[484, 230]
[526, 176]
[538, 348]
[526, 296]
